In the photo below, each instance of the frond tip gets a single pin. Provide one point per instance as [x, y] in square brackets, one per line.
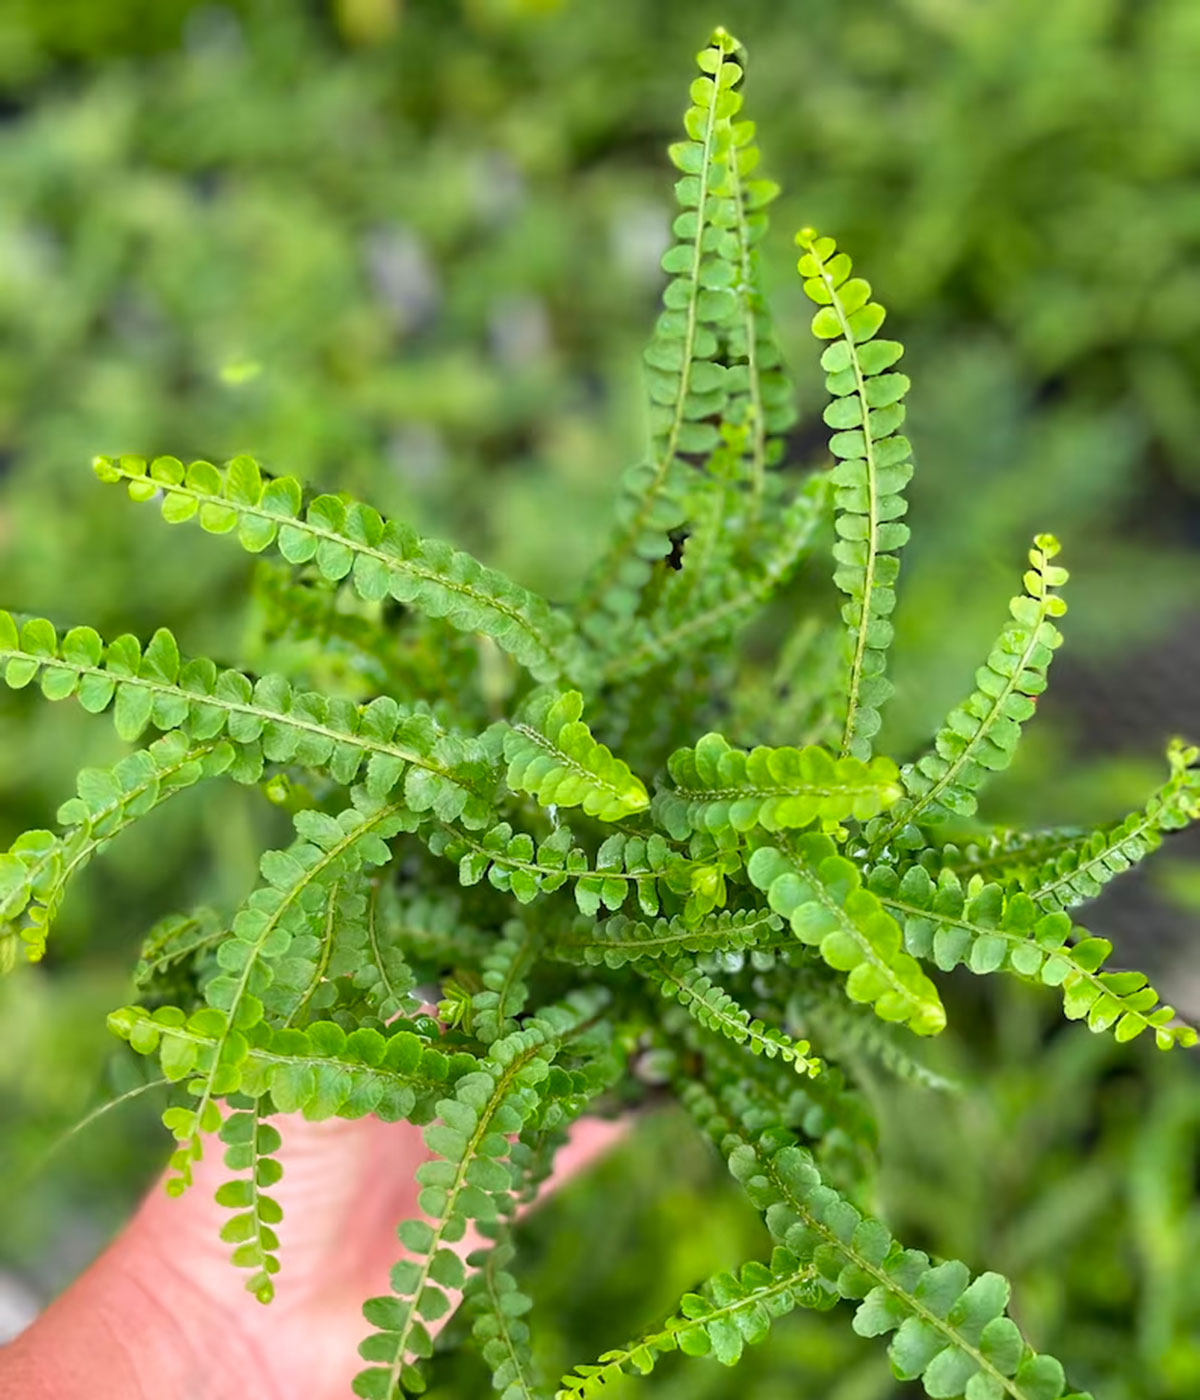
[980, 736]
[551, 754]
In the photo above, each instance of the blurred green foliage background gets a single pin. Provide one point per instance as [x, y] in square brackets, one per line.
[410, 250]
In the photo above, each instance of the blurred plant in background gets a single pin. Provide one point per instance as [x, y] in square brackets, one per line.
[410, 249]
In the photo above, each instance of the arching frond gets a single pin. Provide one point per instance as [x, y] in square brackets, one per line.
[265, 720]
[512, 860]
[951, 1332]
[36, 870]
[292, 903]
[725, 1315]
[620, 940]
[712, 1006]
[469, 1180]
[1081, 871]
[709, 342]
[989, 930]
[382, 558]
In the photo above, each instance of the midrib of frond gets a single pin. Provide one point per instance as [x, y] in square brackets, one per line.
[322, 963]
[758, 429]
[376, 951]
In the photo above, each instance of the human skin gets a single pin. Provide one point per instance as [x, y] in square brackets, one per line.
[163, 1315]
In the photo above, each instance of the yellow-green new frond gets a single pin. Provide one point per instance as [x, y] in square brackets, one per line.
[822, 896]
[719, 788]
[874, 466]
[983, 927]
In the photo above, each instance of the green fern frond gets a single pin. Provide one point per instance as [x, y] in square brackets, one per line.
[821, 894]
[621, 940]
[265, 720]
[250, 1145]
[951, 1332]
[374, 962]
[382, 558]
[980, 736]
[469, 1180]
[552, 755]
[874, 466]
[711, 1005]
[36, 870]
[1081, 871]
[173, 940]
[320, 1072]
[494, 1010]
[1003, 854]
[511, 860]
[494, 1300]
[686, 377]
[990, 930]
[725, 1315]
[291, 903]
[853, 1033]
[719, 788]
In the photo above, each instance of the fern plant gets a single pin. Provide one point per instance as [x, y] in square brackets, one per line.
[542, 828]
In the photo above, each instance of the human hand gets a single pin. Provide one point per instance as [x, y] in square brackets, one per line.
[163, 1315]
